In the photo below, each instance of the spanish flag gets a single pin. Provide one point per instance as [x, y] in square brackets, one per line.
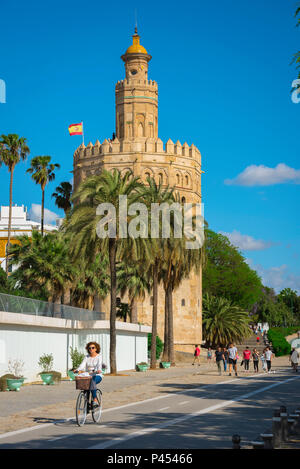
[76, 129]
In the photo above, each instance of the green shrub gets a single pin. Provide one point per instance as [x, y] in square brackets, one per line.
[3, 383]
[279, 343]
[159, 346]
[46, 362]
[76, 358]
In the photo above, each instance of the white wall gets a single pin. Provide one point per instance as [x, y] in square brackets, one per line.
[27, 337]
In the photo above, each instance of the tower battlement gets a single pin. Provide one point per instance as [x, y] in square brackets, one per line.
[127, 83]
[150, 146]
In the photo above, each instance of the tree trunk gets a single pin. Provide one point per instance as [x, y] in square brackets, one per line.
[154, 316]
[171, 328]
[67, 296]
[57, 307]
[97, 304]
[9, 216]
[43, 209]
[133, 311]
[165, 356]
[113, 304]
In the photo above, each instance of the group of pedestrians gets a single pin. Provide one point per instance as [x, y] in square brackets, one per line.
[227, 358]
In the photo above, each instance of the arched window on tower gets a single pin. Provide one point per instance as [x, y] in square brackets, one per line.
[177, 179]
[183, 200]
[160, 178]
[140, 130]
[186, 180]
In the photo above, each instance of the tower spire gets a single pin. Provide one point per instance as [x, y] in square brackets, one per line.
[135, 29]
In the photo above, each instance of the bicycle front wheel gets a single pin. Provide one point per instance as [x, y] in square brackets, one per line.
[81, 409]
[97, 409]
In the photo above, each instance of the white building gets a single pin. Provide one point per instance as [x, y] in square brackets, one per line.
[21, 224]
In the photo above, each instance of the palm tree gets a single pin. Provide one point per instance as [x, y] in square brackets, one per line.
[223, 322]
[43, 264]
[83, 227]
[155, 194]
[13, 149]
[133, 279]
[179, 263]
[63, 196]
[92, 280]
[42, 172]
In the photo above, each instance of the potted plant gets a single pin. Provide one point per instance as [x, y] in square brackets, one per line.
[76, 358]
[165, 364]
[142, 366]
[15, 368]
[46, 363]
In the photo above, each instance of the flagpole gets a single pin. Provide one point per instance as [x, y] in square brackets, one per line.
[82, 133]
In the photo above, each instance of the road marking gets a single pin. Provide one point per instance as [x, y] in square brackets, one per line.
[164, 408]
[45, 425]
[188, 416]
[183, 402]
[59, 438]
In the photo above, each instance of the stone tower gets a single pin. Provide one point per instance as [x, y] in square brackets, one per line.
[137, 147]
[136, 97]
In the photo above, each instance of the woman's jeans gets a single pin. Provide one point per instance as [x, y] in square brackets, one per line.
[225, 364]
[255, 363]
[93, 387]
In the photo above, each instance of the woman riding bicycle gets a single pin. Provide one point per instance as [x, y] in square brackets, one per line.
[92, 364]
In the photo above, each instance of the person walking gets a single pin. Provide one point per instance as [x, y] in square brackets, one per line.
[294, 357]
[268, 357]
[232, 355]
[196, 355]
[225, 359]
[219, 356]
[209, 355]
[246, 358]
[255, 358]
[263, 360]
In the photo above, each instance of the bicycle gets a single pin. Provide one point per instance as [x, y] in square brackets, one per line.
[85, 404]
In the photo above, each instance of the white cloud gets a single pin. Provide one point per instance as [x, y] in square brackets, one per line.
[277, 277]
[246, 242]
[35, 214]
[263, 176]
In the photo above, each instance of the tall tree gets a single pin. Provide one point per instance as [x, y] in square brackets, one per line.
[63, 196]
[134, 280]
[42, 172]
[13, 149]
[227, 274]
[178, 264]
[154, 193]
[223, 322]
[92, 280]
[43, 264]
[88, 241]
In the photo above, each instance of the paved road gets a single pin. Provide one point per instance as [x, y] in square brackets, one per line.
[193, 417]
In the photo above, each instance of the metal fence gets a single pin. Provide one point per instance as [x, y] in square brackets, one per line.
[19, 304]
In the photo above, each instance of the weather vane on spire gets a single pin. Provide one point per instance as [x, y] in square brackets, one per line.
[135, 15]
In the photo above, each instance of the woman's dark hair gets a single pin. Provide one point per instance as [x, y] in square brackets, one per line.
[98, 348]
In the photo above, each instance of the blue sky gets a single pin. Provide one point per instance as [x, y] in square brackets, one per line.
[224, 76]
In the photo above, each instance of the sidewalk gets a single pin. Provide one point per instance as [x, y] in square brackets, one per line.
[36, 403]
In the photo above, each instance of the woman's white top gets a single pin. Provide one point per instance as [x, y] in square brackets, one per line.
[268, 355]
[91, 365]
[295, 356]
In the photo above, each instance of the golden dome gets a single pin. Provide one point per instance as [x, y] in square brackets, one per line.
[136, 47]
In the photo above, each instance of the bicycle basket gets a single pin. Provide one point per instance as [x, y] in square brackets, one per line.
[83, 383]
